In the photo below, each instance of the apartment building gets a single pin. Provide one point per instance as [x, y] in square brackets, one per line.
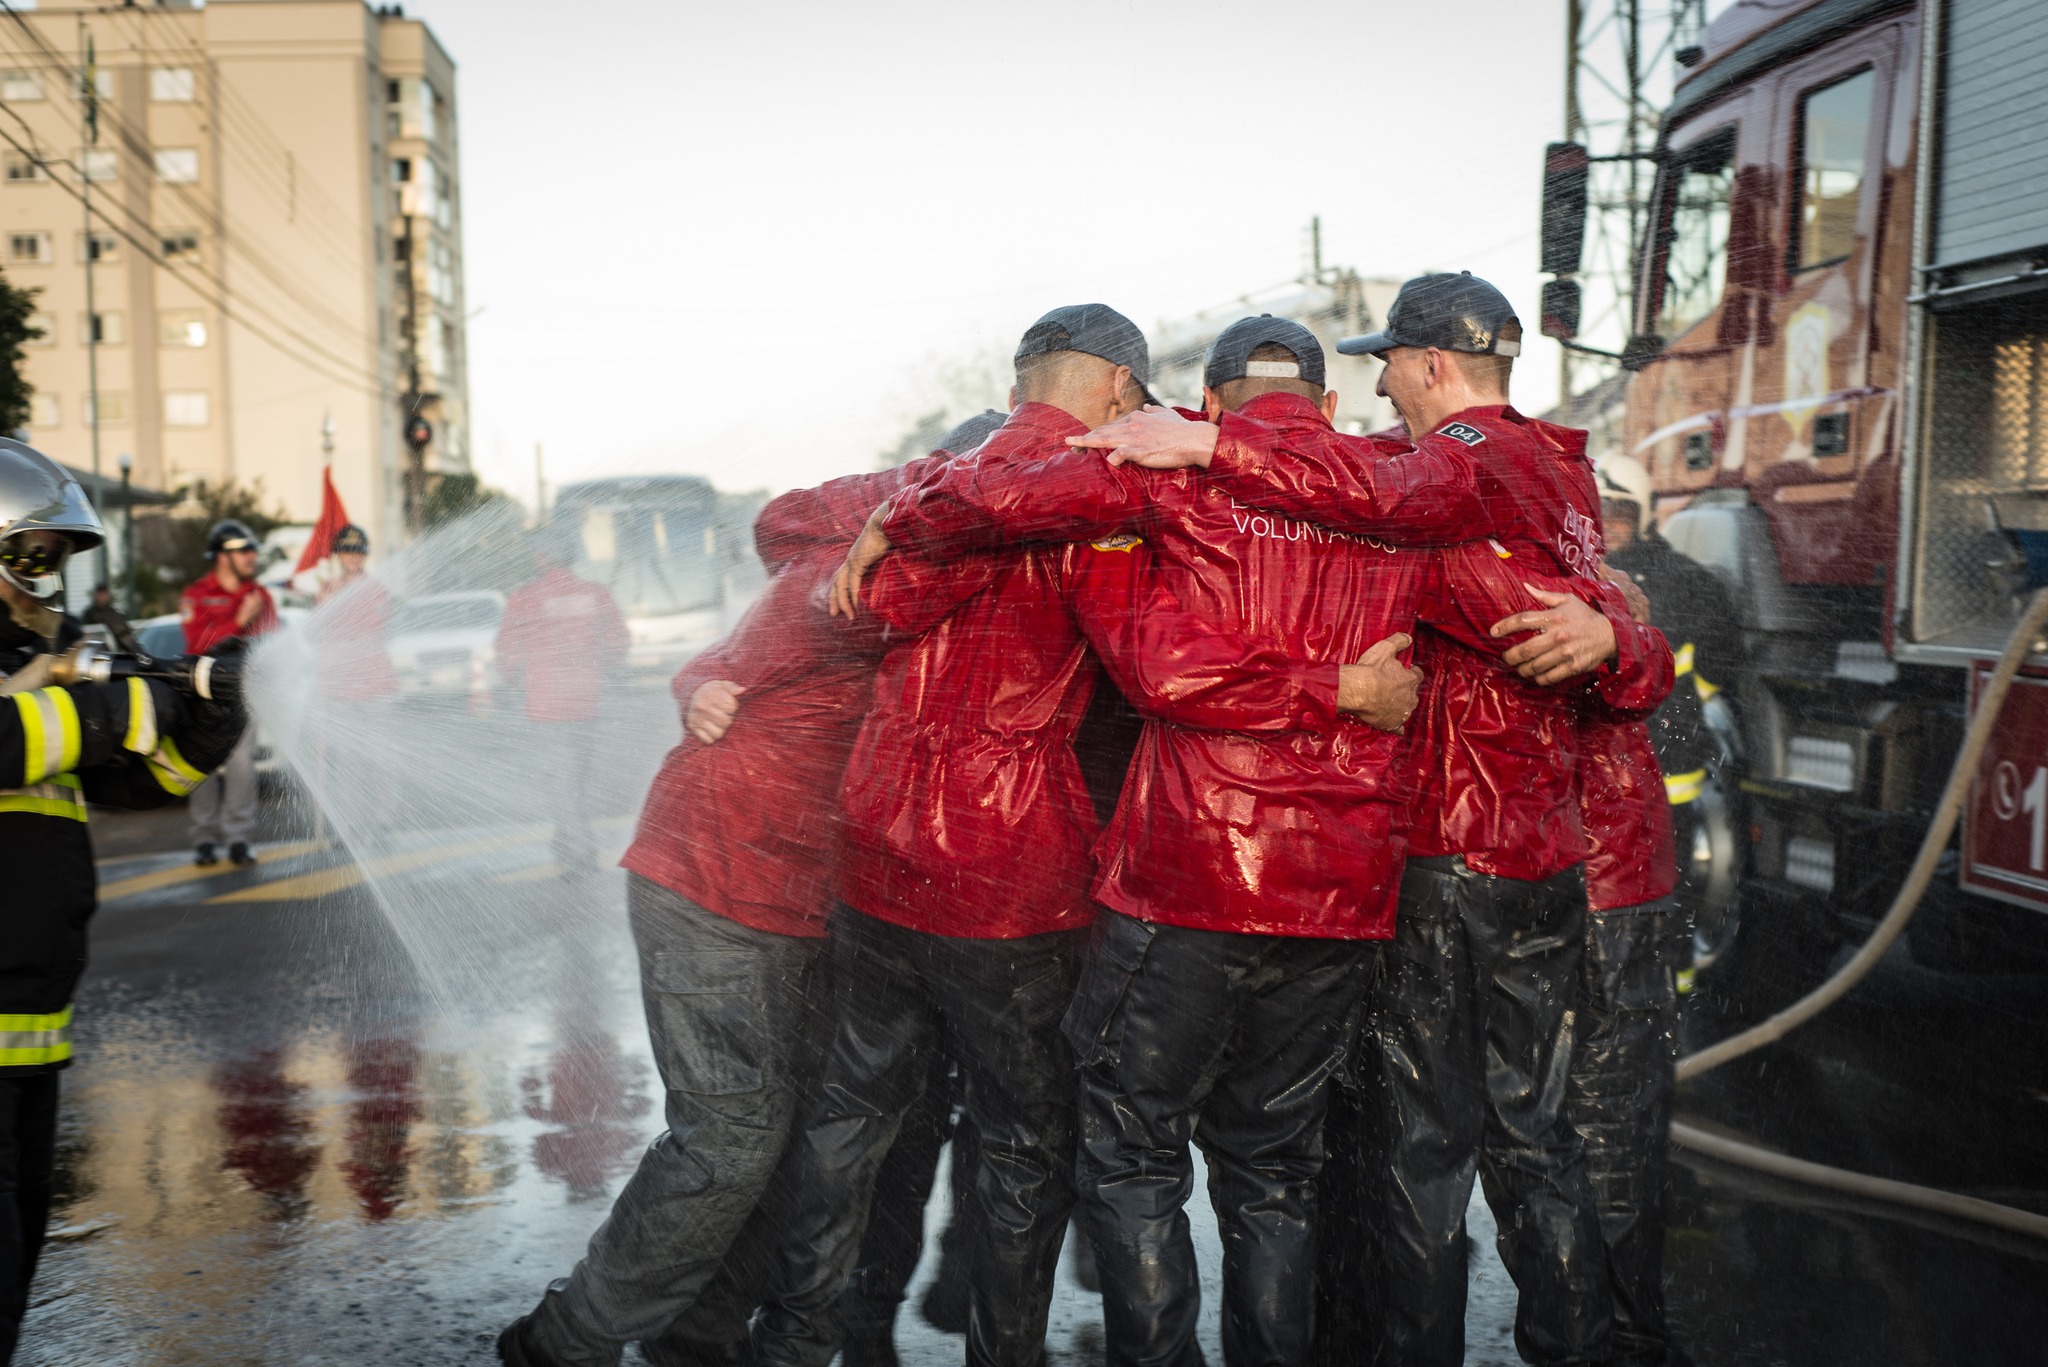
[275, 243]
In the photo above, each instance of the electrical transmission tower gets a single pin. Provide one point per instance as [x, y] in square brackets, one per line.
[1620, 60]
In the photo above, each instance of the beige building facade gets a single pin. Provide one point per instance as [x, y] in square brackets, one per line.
[276, 244]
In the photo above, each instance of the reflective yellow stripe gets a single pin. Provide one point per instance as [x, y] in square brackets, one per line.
[1680, 789]
[61, 796]
[30, 1039]
[1681, 660]
[50, 737]
[141, 737]
[33, 756]
[172, 773]
[1707, 690]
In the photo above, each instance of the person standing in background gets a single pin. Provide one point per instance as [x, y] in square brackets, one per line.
[224, 604]
[562, 637]
[107, 617]
[351, 633]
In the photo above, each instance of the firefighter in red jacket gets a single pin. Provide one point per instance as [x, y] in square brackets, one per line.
[350, 634]
[1474, 1012]
[731, 875]
[965, 895]
[562, 638]
[1254, 859]
[225, 603]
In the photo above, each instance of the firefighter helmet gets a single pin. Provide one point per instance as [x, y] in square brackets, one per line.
[39, 495]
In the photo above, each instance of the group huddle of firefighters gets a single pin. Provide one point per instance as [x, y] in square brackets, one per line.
[1381, 898]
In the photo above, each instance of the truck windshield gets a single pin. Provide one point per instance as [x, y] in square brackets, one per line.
[1702, 178]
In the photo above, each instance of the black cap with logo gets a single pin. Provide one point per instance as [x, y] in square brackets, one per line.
[1230, 355]
[1450, 312]
[1094, 330]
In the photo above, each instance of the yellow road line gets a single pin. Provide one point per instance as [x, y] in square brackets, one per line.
[530, 875]
[340, 877]
[186, 873]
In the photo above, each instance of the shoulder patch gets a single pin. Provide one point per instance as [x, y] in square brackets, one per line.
[1122, 541]
[1462, 431]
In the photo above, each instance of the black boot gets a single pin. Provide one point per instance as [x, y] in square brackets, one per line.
[205, 856]
[240, 855]
[869, 1351]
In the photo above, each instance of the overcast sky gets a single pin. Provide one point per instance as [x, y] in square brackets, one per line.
[742, 240]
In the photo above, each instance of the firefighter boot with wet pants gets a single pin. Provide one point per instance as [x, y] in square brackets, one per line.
[1231, 1042]
[1472, 1020]
[1621, 1095]
[736, 1018]
[899, 994]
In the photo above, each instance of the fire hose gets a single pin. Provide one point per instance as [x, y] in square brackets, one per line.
[2022, 643]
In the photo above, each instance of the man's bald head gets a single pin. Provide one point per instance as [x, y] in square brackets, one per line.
[1089, 388]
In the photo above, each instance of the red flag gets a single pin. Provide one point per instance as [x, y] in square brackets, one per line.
[333, 517]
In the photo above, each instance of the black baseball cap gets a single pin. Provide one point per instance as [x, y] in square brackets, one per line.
[1094, 330]
[1450, 312]
[973, 432]
[1230, 355]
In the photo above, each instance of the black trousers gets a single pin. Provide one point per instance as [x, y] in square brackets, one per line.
[1473, 1024]
[894, 1242]
[1621, 1094]
[1228, 1041]
[28, 1153]
[899, 995]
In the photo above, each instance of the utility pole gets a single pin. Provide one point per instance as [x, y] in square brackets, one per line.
[415, 454]
[1620, 61]
[89, 98]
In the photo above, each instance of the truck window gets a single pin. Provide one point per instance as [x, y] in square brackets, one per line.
[1702, 178]
[1834, 134]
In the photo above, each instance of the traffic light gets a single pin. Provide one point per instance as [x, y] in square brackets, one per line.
[418, 432]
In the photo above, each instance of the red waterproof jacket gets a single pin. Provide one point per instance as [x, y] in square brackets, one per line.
[1252, 805]
[562, 635]
[751, 828]
[208, 612]
[1494, 757]
[967, 813]
[1631, 857]
[351, 635]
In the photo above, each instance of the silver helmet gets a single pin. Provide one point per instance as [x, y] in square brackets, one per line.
[39, 495]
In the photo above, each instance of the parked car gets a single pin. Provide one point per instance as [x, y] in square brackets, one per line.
[444, 645]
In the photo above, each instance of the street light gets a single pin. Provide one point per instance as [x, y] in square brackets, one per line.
[127, 581]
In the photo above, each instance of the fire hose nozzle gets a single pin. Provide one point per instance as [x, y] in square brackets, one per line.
[212, 677]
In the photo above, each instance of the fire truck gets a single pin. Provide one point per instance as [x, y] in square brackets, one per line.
[1838, 380]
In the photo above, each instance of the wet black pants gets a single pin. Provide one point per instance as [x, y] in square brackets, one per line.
[898, 996]
[1621, 1090]
[1229, 1041]
[28, 1152]
[894, 1242]
[736, 1019]
[1473, 1022]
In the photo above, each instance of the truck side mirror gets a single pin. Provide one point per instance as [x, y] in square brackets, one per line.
[1561, 300]
[1566, 170]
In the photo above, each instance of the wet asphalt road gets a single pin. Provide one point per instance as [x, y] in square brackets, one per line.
[313, 1125]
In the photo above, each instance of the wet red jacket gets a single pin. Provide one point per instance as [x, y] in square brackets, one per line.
[562, 635]
[1252, 805]
[351, 635]
[751, 827]
[967, 813]
[1494, 757]
[1631, 857]
[209, 611]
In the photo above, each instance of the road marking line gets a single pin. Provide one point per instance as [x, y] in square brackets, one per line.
[340, 877]
[551, 869]
[189, 872]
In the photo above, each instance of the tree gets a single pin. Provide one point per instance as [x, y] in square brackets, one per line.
[453, 496]
[17, 306]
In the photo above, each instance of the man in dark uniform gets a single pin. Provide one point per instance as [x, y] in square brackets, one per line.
[126, 743]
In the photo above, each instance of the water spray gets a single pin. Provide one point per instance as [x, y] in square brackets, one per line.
[216, 678]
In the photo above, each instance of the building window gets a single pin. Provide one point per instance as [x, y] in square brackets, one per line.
[186, 408]
[108, 329]
[29, 248]
[21, 168]
[177, 165]
[393, 92]
[45, 323]
[98, 246]
[113, 409]
[183, 328]
[180, 246]
[20, 87]
[171, 85]
[401, 170]
[43, 411]
[101, 165]
[1834, 134]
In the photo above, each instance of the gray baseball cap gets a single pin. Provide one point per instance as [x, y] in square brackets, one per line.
[1450, 312]
[1230, 355]
[973, 432]
[1094, 330]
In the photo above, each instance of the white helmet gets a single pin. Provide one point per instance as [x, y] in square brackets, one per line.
[39, 495]
[1623, 477]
